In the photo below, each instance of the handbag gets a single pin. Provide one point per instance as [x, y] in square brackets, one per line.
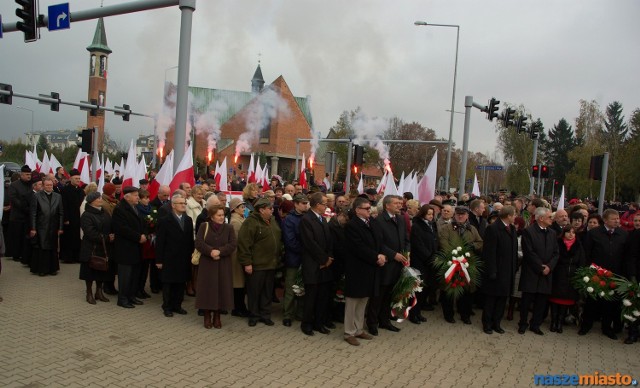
[99, 263]
[195, 256]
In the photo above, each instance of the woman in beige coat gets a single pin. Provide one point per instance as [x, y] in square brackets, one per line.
[237, 218]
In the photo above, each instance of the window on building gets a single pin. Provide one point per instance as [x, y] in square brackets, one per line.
[103, 66]
[265, 132]
[92, 65]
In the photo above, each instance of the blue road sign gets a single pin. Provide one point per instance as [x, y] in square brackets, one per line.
[492, 168]
[59, 17]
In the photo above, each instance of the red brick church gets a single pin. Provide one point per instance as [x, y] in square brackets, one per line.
[277, 138]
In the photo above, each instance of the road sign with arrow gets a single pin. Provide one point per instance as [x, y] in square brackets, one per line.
[59, 17]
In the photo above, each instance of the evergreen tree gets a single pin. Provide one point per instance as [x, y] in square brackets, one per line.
[614, 135]
[560, 142]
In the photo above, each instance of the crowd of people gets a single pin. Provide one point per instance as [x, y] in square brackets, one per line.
[326, 247]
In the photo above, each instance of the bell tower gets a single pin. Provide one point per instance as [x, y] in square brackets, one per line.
[98, 64]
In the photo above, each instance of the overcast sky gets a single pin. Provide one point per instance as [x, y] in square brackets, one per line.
[546, 55]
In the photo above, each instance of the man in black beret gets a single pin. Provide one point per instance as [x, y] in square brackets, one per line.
[72, 197]
[19, 193]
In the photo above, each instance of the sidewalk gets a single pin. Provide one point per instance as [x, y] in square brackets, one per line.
[50, 337]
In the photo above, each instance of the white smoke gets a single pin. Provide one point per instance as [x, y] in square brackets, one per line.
[369, 131]
[206, 119]
[265, 107]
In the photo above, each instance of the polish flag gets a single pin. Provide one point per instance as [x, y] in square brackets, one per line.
[303, 175]
[163, 178]
[476, 187]
[184, 172]
[101, 178]
[265, 179]
[35, 159]
[54, 163]
[85, 177]
[79, 158]
[129, 174]
[427, 185]
[141, 171]
[29, 160]
[45, 163]
[217, 175]
[251, 172]
[561, 200]
[258, 174]
[221, 176]
[390, 187]
[383, 183]
[361, 185]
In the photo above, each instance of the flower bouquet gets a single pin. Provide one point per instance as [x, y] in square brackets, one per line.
[596, 282]
[338, 295]
[458, 269]
[151, 220]
[630, 293]
[403, 295]
[298, 284]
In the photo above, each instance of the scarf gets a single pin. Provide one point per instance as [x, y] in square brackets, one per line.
[568, 243]
[144, 210]
[215, 226]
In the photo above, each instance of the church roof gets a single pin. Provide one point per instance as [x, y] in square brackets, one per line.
[99, 39]
[257, 76]
[236, 100]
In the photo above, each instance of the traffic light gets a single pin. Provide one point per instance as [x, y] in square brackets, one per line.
[534, 132]
[595, 168]
[85, 140]
[29, 14]
[521, 123]
[507, 117]
[544, 172]
[358, 157]
[125, 117]
[55, 106]
[93, 111]
[6, 99]
[534, 171]
[493, 109]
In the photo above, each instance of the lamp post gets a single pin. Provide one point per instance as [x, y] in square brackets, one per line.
[453, 95]
[23, 108]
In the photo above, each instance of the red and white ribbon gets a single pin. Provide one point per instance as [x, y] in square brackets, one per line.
[458, 264]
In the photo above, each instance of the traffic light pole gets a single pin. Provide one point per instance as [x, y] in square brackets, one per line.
[603, 183]
[94, 158]
[533, 163]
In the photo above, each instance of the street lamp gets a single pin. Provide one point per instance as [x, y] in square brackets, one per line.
[23, 108]
[453, 95]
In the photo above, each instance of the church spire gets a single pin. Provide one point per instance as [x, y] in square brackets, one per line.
[99, 39]
[257, 82]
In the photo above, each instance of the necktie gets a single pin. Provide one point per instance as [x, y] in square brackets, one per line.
[610, 232]
[508, 229]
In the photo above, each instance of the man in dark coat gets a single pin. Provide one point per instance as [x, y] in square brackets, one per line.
[317, 258]
[632, 270]
[45, 226]
[500, 255]
[362, 269]
[540, 256]
[164, 192]
[476, 210]
[395, 243]
[72, 197]
[128, 227]
[174, 246]
[19, 193]
[605, 246]
[292, 256]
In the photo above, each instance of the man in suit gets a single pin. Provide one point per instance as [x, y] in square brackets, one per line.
[540, 256]
[174, 246]
[500, 255]
[162, 197]
[605, 246]
[362, 269]
[46, 225]
[128, 228]
[395, 243]
[72, 197]
[477, 207]
[317, 257]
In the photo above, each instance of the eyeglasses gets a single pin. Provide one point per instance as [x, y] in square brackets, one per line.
[365, 208]
[180, 203]
[323, 203]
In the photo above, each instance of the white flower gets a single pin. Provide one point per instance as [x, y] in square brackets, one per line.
[466, 265]
[626, 302]
[586, 279]
[601, 293]
[629, 318]
[590, 289]
[636, 313]
[611, 292]
[467, 254]
[449, 262]
[459, 248]
[454, 252]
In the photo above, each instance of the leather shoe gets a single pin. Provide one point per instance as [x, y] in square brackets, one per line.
[365, 336]
[180, 311]
[307, 331]
[537, 331]
[414, 319]
[498, 330]
[321, 329]
[610, 334]
[373, 330]
[450, 320]
[168, 314]
[267, 321]
[630, 340]
[109, 290]
[126, 305]
[583, 331]
[286, 322]
[466, 321]
[329, 325]
[488, 331]
[240, 313]
[390, 327]
[252, 322]
[422, 318]
[137, 302]
[351, 340]
[522, 329]
[143, 295]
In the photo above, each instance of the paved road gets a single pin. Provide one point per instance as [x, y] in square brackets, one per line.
[50, 337]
